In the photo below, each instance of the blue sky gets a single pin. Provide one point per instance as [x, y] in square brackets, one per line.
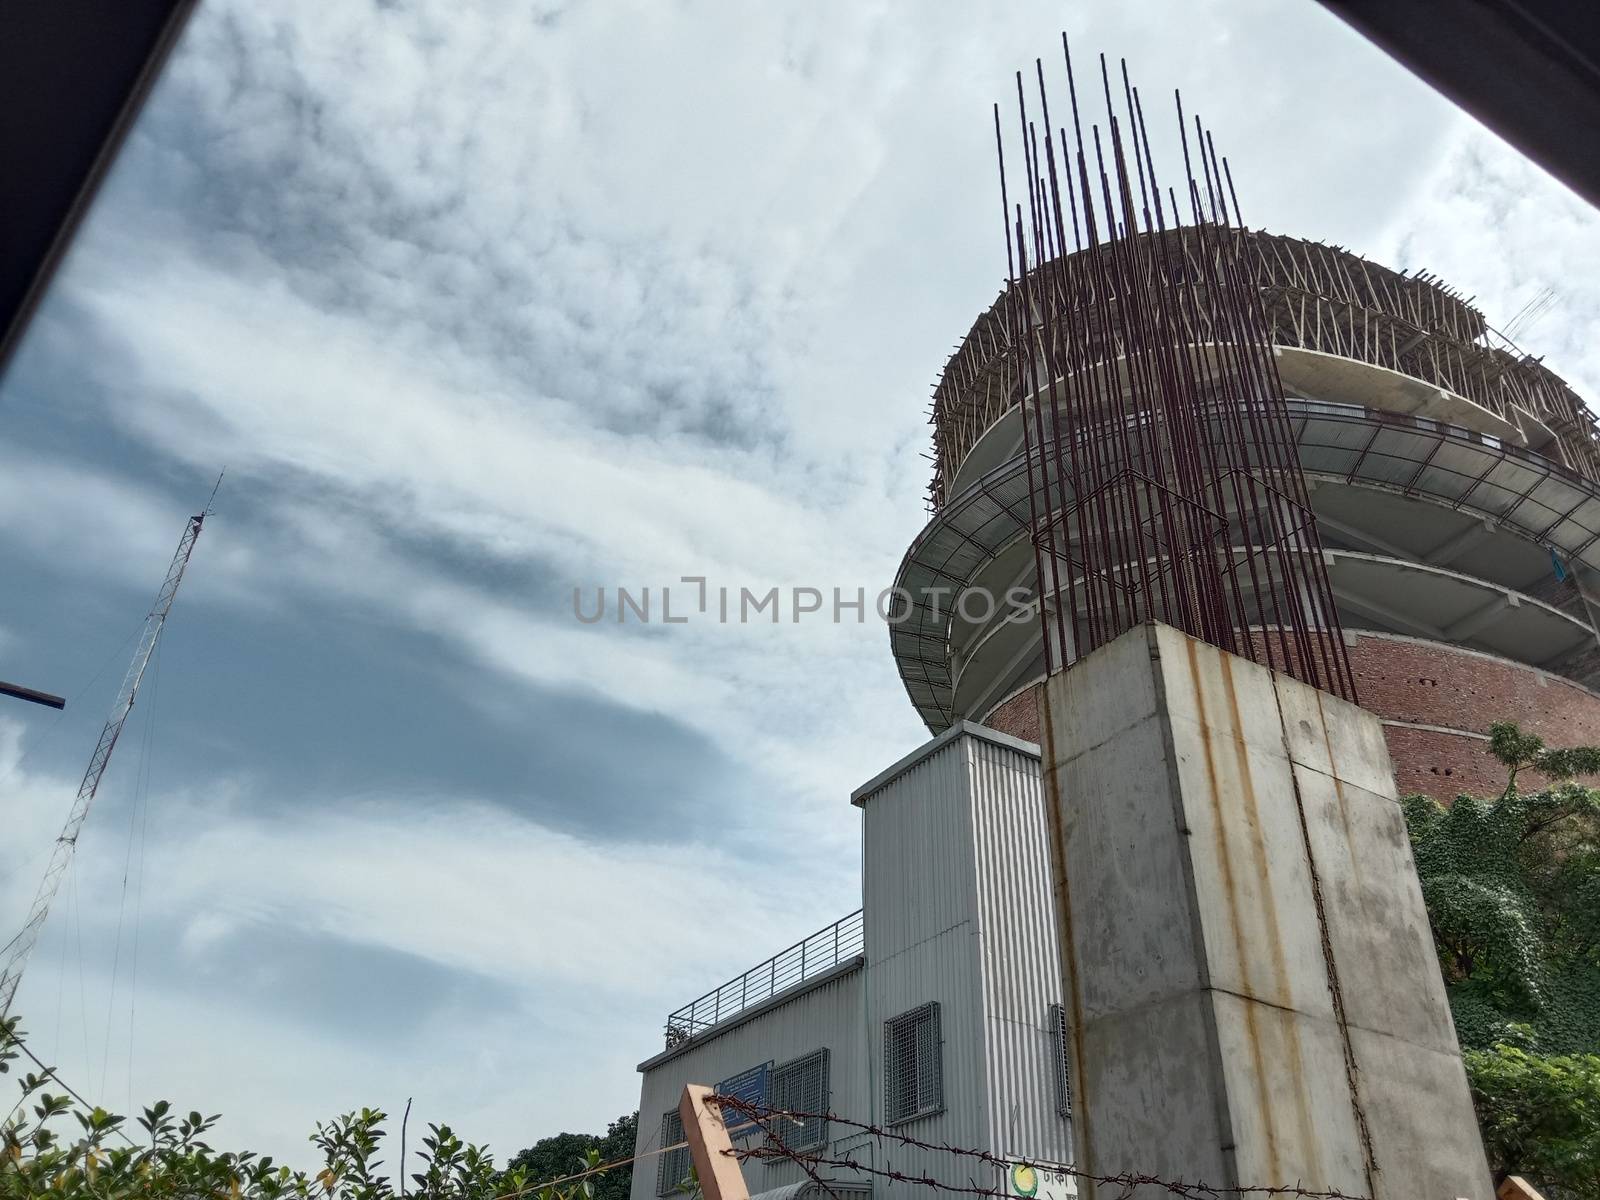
[481, 303]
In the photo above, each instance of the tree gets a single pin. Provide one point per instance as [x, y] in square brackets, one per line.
[1512, 886]
[555, 1156]
[169, 1158]
[621, 1137]
[1540, 1115]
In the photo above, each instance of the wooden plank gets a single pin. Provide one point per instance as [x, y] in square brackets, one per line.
[1516, 1187]
[710, 1148]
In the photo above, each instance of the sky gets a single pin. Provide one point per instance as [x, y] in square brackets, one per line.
[479, 304]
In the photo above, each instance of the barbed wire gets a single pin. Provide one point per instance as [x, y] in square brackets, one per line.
[776, 1148]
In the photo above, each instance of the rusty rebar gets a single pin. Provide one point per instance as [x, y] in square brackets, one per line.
[1163, 477]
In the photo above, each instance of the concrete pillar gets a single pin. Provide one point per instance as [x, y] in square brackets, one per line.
[1251, 984]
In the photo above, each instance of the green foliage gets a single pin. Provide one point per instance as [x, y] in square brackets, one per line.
[1512, 886]
[554, 1156]
[1540, 1116]
[50, 1147]
[1520, 751]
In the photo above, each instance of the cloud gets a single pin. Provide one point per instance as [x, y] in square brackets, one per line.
[1500, 229]
[478, 304]
[119, 525]
[467, 887]
[243, 914]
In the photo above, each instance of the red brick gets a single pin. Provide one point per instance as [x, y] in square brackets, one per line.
[1018, 716]
[1457, 694]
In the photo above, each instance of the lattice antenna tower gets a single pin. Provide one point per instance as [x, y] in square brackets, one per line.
[16, 951]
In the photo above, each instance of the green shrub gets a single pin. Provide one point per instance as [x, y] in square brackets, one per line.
[1540, 1115]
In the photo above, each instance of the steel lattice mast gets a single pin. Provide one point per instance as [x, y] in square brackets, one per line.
[17, 950]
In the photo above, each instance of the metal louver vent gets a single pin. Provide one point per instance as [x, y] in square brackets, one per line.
[912, 1069]
[1060, 1062]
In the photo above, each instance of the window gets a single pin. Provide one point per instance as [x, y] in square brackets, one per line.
[802, 1086]
[1061, 1063]
[912, 1082]
[673, 1166]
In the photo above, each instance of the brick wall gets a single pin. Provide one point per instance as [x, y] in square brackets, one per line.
[1407, 679]
[1455, 694]
[1459, 692]
[1443, 765]
[1018, 716]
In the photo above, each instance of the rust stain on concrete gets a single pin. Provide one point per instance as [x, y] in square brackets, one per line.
[1225, 863]
[1283, 995]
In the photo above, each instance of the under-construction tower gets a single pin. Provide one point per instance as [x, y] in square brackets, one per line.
[1453, 482]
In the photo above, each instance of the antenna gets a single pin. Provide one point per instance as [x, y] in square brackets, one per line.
[206, 511]
[17, 950]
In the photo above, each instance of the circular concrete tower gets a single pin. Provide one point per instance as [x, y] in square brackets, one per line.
[1455, 483]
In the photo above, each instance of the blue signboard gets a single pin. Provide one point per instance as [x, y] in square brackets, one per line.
[750, 1086]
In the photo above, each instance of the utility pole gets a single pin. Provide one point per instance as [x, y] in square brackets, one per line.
[17, 692]
[16, 951]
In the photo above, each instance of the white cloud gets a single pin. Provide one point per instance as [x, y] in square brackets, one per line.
[464, 298]
[586, 933]
[1500, 229]
[467, 887]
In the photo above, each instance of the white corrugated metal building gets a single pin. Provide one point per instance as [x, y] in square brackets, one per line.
[934, 1011]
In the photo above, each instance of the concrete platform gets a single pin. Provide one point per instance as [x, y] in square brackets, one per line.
[1252, 989]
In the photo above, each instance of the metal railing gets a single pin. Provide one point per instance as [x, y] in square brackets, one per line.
[810, 956]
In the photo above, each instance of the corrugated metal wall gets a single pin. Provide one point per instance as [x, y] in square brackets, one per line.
[1019, 956]
[956, 883]
[922, 944]
[830, 1015]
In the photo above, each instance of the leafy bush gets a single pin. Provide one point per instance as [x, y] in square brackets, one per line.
[1540, 1116]
[51, 1147]
[1512, 886]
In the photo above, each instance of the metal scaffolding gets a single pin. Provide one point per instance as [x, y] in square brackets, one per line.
[1314, 297]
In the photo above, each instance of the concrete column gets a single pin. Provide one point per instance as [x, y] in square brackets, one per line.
[1251, 983]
